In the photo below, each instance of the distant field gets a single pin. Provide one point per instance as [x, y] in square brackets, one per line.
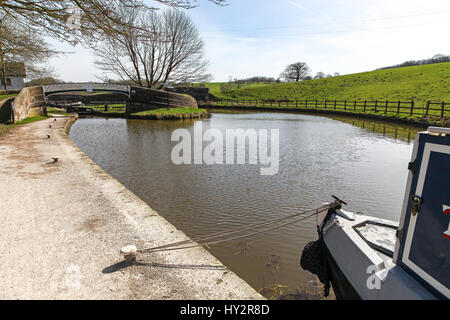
[419, 83]
[112, 108]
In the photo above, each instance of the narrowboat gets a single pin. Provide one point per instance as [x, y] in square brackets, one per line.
[364, 257]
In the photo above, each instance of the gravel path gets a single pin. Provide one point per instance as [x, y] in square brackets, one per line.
[63, 224]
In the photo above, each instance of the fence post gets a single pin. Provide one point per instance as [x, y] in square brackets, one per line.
[386, 108]
[306, 103]
[354, 105]
[442, 109]
[412, 107]
[376, 105]
[279, 103]
[316, 104]
[345, 104]
[398, 107]
[428, 108]
[296, 103]
[365, 105]
[326, 103]
[335, 104]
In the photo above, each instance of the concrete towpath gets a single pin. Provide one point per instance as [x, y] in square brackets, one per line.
[63, 224]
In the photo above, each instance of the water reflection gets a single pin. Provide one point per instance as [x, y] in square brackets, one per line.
[386, 129]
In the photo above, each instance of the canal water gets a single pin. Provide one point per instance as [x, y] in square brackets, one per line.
[363, 162]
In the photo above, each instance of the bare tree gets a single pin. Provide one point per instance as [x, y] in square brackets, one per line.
[75, 20]
[44, 81]
[319, 75]
[295, 72]
[21, 44]
[166, 48]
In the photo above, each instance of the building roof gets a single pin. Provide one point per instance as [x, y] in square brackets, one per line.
[15, 69]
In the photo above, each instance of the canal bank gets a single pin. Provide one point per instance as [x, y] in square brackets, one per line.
[64, 222]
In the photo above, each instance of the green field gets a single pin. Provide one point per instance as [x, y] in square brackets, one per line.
[419, 83]
[112, 108]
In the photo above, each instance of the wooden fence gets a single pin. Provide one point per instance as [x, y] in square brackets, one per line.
[430, 108]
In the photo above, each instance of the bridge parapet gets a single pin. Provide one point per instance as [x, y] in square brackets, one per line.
[88, 87]
[142, 99]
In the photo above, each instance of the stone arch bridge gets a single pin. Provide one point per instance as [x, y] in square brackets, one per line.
[32, 100]
[137, 98]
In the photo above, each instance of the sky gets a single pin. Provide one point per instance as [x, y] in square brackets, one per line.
[261, 37]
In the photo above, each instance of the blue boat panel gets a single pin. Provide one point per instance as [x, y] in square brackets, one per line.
[425, 247]
[430, 245]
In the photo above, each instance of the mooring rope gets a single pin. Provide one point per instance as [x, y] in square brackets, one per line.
[182, 266]
[178, 245]
[225, 233]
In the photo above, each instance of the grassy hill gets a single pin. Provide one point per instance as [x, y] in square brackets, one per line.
[214, 87]
[419, 83]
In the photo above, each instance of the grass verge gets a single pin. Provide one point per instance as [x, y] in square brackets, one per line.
[6, 96]
[6, 127]
[172, 113]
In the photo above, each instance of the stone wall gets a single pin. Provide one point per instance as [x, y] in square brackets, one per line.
[197, 93]
[143, 99]
[29, 102]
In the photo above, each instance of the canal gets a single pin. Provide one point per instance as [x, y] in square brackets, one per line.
[363, 162]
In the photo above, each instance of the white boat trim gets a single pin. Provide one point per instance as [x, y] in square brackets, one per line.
[349, 249]
[406, 197]
[438, 130]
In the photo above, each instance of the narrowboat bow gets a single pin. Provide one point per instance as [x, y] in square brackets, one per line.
[364, 257]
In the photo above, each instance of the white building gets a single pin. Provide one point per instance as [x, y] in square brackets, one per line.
[15, 74]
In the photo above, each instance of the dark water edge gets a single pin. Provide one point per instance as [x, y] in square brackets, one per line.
[364, 162]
